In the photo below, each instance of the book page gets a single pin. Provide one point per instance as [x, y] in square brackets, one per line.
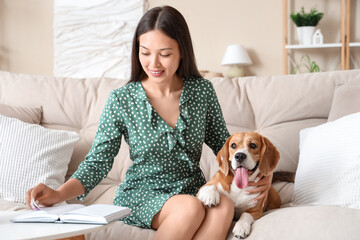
[61, 209]
[96, 214]
[98, 210]
[46, 214]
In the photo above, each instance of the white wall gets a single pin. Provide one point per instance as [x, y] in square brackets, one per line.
[26, 37]
[26, 42]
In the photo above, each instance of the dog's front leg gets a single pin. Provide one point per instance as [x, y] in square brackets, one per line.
[209, 195]
[242, 227]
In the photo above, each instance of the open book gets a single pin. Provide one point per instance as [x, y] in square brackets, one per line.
[75, 213]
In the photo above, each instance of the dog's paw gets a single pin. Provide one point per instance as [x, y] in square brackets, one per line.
[242, 227]
[209, 195]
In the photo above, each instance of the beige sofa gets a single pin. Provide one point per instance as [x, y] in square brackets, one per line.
[277, 106]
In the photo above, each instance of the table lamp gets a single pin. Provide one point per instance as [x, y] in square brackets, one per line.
[236, 57]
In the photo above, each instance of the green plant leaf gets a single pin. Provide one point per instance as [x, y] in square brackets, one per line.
[306, 19]
[306, 62]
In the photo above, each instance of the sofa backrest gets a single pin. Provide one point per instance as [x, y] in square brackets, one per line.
[277, 107]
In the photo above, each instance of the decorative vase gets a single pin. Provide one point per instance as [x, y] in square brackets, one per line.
[235, 70]
[305, 34]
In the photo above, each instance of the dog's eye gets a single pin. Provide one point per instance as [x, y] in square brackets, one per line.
[233, 146]
[253, 145]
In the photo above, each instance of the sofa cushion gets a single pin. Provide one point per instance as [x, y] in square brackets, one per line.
[328, 171]
[308, 222]
[346, 101]
[31, 154]
[278, 107]
[120, 230]
[296, 223]
[25, 114]
[6, 205]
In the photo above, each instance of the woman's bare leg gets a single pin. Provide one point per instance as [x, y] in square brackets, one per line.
[217, 220]
[179, 218]
[185, 217]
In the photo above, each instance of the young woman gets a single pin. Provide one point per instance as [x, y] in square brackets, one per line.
[165, 113]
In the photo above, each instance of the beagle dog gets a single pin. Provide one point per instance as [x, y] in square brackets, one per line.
[244, 157]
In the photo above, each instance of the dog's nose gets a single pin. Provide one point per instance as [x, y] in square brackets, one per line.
[240, 157]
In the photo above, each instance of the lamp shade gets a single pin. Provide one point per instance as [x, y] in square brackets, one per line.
[236, 54]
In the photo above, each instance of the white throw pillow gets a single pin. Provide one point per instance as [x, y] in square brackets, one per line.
[329, 166]
[31, 154]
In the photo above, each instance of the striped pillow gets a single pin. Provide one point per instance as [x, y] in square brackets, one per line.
[31, 154]
[329, 166]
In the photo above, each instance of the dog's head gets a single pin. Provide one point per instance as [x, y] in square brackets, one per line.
[250, 151]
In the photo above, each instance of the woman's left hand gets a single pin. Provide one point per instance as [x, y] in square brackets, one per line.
[262, 186]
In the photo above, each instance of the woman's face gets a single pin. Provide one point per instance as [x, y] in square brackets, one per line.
[159, 55]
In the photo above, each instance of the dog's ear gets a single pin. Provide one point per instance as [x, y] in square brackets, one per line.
[269, 157]
[223, 158]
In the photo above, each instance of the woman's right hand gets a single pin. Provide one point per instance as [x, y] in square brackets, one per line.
[43, 194]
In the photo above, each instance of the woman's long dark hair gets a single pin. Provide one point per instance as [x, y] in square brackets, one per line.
[172, 23]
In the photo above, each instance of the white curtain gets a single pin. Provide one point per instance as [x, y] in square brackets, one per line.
[93, 38]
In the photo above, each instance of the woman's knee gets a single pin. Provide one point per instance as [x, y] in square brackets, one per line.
[192, 209]
[180, 209]
[226, 207]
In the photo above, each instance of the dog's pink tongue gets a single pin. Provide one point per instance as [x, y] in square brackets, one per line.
[241, 177]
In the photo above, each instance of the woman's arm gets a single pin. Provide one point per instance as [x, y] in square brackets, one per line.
[98, 162]
[96, 165]
[263, 186]
[46, 196]
[216, 131]
[72, 188]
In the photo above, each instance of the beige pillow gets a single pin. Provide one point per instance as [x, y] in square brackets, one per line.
[25, 114]
[346, 101]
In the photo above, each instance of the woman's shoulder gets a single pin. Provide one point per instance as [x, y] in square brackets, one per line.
[199, 82]
[124, 90]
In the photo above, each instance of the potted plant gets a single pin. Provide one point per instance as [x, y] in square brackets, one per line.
[306, 23]
[309, 64]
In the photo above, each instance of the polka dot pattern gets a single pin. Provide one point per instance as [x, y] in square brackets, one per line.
[165, 159]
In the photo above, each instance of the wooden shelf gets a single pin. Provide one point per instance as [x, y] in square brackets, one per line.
[354, 44]
[325, 45]
[344, 32]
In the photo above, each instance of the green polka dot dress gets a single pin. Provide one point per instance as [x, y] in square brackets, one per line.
[165, 159]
